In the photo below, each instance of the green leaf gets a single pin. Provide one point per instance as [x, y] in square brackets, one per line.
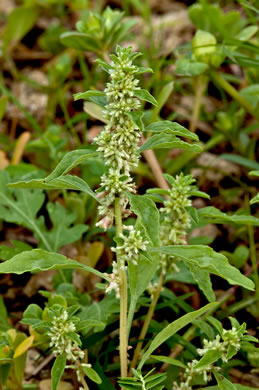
[186, 67]
[210, 357]
[148, 216]
[95, 111]
[19, 22]
[57, 370]
[166, 359]
[202, 277]
[88, 94]
[173, 127]
[38, 260]
[171, 329]
[214, 215]
[167, 140]
[248, 5]
[163, 97]
[254, 173]
[245, 162]
[69, 161]
[224, 384]
[140, 276]
[62, 233]
[255, 199]
[91, 374]
[136, 117]
[79, 41]
[143, 94]
[205, 258]
[246, 33]
[66, 182]
[21, 207]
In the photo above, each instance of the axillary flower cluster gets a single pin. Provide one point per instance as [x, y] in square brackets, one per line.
[118, 142]
[225, 345]
[64, 340]
[175, 219]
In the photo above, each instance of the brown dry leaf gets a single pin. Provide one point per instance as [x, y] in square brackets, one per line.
[219, 167]
[46, 385]
[37, 281]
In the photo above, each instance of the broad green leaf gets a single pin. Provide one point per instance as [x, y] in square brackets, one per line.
[205, 258]
[245, 162]
[69, 161]
[19, 22]
[202, 277]
[66, 182]
[57, 370]
[216, 216]
[62, 233]
[186, 67]
[148, 216]
[167, 140]
[210, 357]
[140, 276]
[91, 374]
[173, 127]
[38, 260]
[224, 383]
[171, 329]
[79, 41]
[95, 111]
[88, 94]
[166, 359]
[143, 94]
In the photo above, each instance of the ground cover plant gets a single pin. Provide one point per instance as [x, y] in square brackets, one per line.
[128, 198]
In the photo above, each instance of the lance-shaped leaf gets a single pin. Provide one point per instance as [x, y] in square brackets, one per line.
[205, 258]
[143, 94]
[171, 329]
[167, 140]
[66, 182]
[142, 274]
[57, 370]
[58, 178]
[79, 41]
[88, 94]
[38, 260]
[136, 117]
[212, 214]
[202, 277]
[173, 127]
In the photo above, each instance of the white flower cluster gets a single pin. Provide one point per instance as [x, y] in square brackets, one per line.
[131, 246]
[114, 285]
[60, 340]
[118, 142]
[175, 219]
[230, 338]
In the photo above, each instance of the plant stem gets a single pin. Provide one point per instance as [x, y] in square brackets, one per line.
[218, 79]
[123, 297]
[200, 86]
[148, 318]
